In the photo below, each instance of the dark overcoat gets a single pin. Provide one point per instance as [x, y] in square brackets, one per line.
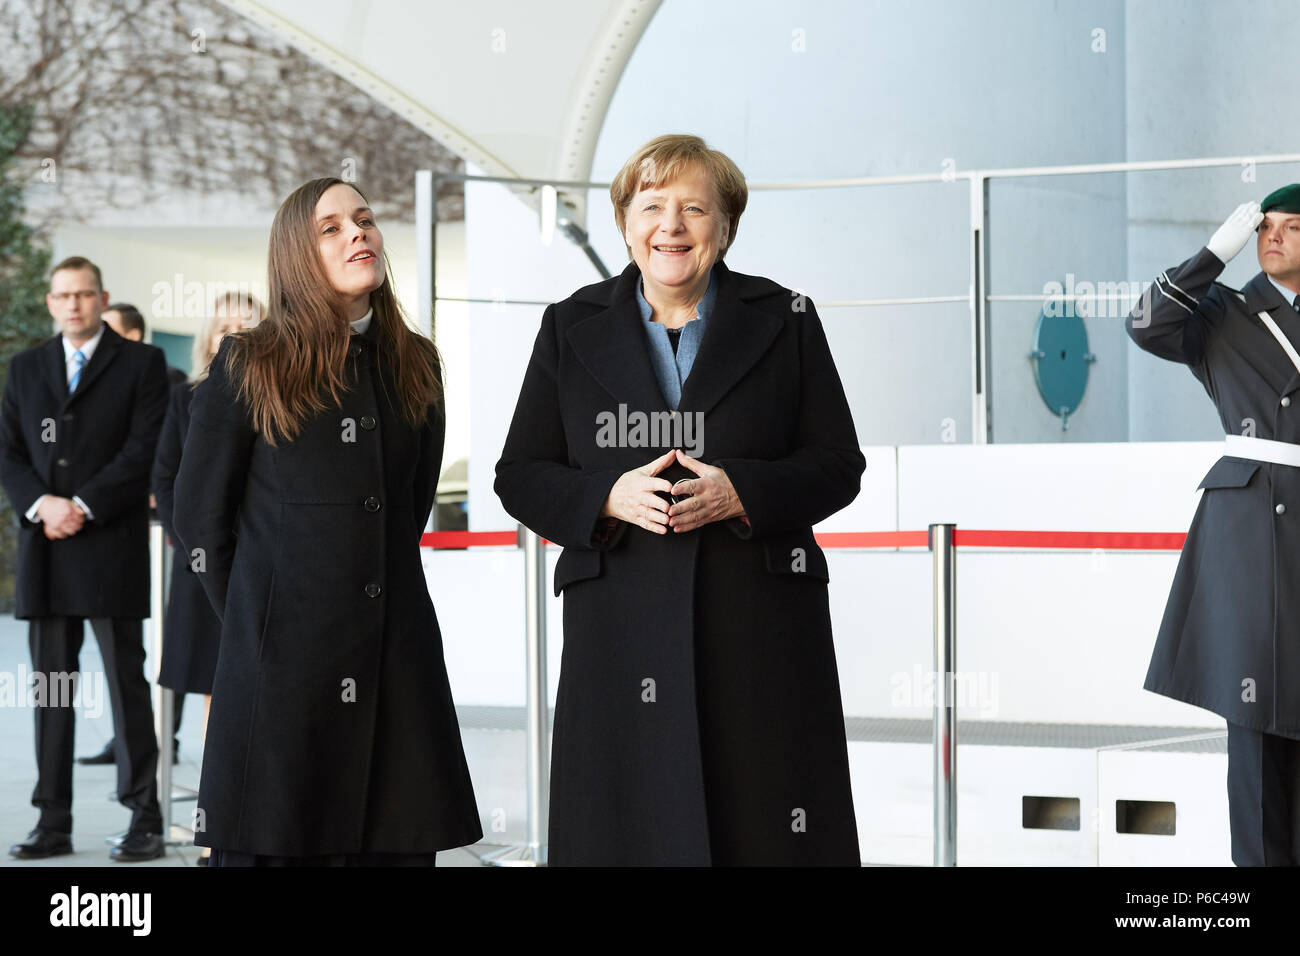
[191, 631]
[332, 728]
[698, 717]
[98, 444]
[1230, 638]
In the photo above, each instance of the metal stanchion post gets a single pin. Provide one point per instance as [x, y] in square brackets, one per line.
[162, 697]
[945, 705]
[533, 853]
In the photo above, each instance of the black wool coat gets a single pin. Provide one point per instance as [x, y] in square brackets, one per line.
[191, 631]
[1230, 637]
[698, 718]
[332, 728]
[97, 444]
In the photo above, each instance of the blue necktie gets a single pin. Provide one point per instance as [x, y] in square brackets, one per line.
[76, 373]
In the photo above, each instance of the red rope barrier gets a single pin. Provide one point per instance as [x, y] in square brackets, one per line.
[1090, 540]
[962, 537]
[874, 539]
[468, 539]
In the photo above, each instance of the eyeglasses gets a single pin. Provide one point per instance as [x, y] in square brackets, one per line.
[84, 296]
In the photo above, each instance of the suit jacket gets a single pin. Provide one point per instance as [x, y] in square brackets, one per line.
[1230, 637]
[98, 444]
[707, 763]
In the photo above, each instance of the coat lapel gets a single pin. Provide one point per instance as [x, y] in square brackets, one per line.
[104, 354]
[55, 367]
[1260, 296]
[736, 337]
[611, 346]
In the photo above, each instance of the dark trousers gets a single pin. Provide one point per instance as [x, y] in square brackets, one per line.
[1263, 797]
[56, 648]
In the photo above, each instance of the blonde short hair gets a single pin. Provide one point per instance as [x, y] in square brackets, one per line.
[662, 160]
[222, 306]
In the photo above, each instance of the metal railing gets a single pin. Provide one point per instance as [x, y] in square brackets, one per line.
[978, 295]
[941, 539]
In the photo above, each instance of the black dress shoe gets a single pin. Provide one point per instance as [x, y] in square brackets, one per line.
[41, 844]
[104, 756]
[138, 847]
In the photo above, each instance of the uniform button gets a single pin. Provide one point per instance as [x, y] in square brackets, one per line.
[354, 350]
[67, 416]
[1286, 401]
[62, 463]
[367, 422]
[372, 503]
[372, 589]
[1280, 509]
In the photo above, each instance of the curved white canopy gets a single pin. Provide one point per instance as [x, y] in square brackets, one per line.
[517, 88]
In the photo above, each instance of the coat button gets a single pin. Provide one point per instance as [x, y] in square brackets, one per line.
[67, 416]
[372, 503]
[62, 463]
[373, 589]
[354, 350]
[367, 422]
[1286, 401]
[1280, 509]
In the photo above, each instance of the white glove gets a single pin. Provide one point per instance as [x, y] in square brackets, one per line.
[1236, 231]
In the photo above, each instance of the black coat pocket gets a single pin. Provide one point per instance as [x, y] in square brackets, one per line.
[1230, 473]
[795, 552]
[576, 565]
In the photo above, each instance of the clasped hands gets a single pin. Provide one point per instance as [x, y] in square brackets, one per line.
[633, 498]
[60, 517]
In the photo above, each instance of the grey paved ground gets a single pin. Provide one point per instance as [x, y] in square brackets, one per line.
[95, 815]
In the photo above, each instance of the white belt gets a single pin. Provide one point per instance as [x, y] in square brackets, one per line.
[1266, 449]
[1262, 449]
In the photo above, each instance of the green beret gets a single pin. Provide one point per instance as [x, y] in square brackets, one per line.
[1286, 199]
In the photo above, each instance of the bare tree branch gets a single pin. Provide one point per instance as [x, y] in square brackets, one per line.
[138, 97]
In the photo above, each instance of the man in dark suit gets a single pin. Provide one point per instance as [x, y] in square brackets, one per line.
[1230, 637]
[81, 415]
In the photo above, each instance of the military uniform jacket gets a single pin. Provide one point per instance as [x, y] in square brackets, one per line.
[1230, 637]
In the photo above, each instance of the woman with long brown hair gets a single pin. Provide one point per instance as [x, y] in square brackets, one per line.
[308, 473]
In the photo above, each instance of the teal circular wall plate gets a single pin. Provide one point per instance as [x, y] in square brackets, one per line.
[1061, 360]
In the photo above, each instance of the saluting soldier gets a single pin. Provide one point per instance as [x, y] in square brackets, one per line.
[1230, 638]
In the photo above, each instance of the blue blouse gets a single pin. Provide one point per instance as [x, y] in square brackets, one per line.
[672, 369]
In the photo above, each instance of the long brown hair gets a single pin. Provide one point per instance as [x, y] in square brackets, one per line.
[284, 368]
